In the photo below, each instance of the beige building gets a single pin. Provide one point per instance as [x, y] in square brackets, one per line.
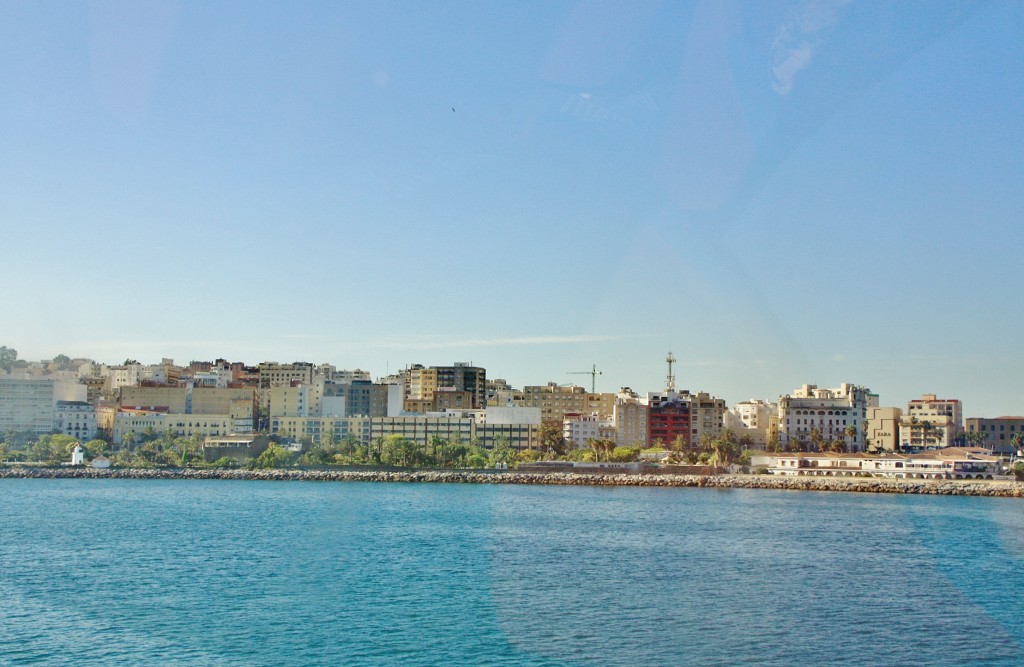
[189, 400]
[883, 428]
[629, 416]
[707, 415]
[131, 424]
[272, 374]
[500, 394]
[297, 399]
[755, 419]
[931, 423]
[556, 401]
[1001, 434]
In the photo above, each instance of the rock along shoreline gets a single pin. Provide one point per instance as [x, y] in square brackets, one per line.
[998, 488]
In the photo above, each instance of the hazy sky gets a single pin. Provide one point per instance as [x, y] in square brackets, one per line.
[800, 191]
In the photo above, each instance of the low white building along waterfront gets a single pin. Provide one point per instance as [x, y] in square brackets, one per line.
[949, 463]
[813, 417]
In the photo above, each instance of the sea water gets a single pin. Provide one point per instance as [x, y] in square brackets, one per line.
[152, 572]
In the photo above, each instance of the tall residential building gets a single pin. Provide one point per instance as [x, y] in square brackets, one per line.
[629, 414]
[26, 405]
[28, 402]
[668, 418]
[707, 416]
[425, 382]
[827, 412]
[931, 423]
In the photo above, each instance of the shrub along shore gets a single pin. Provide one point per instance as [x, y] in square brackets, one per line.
[999, 488]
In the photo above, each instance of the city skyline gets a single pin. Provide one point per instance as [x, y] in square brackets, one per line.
[780, 193]
[593, 381]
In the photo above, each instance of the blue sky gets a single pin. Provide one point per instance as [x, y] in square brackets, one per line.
[780, 192]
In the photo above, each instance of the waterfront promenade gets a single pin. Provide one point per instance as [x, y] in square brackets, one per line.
[997, 488]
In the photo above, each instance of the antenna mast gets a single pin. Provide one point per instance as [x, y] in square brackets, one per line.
[670, 381]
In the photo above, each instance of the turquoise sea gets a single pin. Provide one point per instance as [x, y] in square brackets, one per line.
[147, 572]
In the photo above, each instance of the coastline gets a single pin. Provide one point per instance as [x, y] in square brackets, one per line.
[996, 489]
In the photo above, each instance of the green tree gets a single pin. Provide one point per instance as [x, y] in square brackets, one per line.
[1018, 471]
[8, 355]
[817, 440]
[529, 456]
[95, 448]
[501, 453]
[851, 433]
[274, 456]
[552, 441]
[397, 450]
[625, 454]
[931, 435]
[476, 457]
[1017, 440]
[724, 448]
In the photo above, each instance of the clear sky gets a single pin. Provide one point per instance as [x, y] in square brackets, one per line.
[788, 192]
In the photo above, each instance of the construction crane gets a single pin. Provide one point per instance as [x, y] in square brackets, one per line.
[593, 373]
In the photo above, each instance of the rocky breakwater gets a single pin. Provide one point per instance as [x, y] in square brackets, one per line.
[999, 488]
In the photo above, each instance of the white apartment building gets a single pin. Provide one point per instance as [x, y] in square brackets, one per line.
[579, 429]
[76, 418]
[826, 411]
[29, 403]
[26, 404]
[125, 376]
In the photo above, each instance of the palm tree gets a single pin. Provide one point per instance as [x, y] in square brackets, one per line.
[851, 433]
[817, 440]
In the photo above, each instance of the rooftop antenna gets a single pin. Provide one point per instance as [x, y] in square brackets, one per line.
[670, 381]
[593, 373]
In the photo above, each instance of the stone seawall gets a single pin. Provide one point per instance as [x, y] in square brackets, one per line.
[1003, 489]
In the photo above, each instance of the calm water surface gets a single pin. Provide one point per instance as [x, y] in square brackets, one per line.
[105, 572]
